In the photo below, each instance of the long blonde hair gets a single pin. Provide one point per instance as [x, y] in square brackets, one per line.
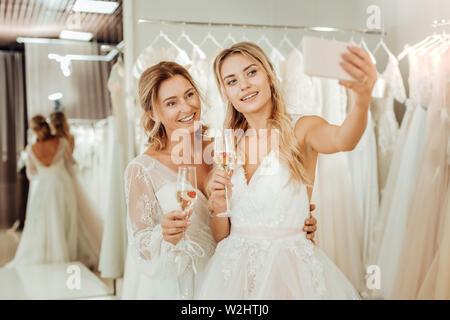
[149, 85]
[59, 122]
[41, 128]
[290, 152]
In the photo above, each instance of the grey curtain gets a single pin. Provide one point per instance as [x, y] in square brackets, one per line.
[13, 184]
[85, 91]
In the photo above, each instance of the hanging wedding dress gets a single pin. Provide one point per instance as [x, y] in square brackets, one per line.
[386, 125]
[277, 59]
[51, 227]
[213, 106]
[340, 232]
[114, 243]
[423, 264]
[363, 169]
[391, 181]
[266, 256]
[157, 269]
[393, 235]
[302, 93]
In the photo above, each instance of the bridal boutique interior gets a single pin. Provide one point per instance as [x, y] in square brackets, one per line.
[383, 209]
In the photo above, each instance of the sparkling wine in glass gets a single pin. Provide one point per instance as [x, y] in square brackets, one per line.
[187, 187]
[225, 157]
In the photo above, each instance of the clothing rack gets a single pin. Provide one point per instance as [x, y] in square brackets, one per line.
[263, 26]
[88, 122]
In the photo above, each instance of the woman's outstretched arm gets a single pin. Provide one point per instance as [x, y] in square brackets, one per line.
[316, 133]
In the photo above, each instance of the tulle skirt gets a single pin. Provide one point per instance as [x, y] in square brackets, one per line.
[272, 265]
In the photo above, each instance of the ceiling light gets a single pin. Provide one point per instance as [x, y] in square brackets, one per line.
[75, 35]
[66, 67]
[105, 7]
[55, 96]
[324, 29]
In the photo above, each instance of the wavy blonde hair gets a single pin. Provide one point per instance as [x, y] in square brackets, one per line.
[41, 128]
[149, 85]
[59, 122]
[290, 151]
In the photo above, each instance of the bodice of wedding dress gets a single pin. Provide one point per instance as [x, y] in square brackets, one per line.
[386, 125]
[62, 159]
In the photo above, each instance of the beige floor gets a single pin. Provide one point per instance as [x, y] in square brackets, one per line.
[96, 288]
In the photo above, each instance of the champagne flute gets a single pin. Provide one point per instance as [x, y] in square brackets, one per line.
[225, 157]
[187, 187]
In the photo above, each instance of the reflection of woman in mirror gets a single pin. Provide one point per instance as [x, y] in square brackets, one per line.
[61, 127]
[50, 232]
[90, 225]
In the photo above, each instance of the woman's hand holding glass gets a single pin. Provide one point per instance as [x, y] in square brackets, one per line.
[174, 225]
[219, 189]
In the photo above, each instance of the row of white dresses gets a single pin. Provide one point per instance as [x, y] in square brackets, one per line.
[413, 229]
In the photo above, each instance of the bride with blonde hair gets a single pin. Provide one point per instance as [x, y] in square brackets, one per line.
[89, 222]
[259, 255]
[51, 229]
[61, 127]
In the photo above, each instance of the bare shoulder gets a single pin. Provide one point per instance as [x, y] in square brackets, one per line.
[304, 125]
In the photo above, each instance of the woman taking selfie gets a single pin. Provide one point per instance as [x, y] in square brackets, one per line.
[259, 254]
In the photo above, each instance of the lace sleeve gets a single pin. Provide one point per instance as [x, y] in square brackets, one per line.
[155, 257]
[30, 164]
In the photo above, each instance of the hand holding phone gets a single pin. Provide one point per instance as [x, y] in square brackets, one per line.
[322, 57]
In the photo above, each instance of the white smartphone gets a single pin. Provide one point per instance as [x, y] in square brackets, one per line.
[322, 57]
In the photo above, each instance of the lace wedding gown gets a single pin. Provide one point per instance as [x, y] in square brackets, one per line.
[340, 234]
[404, 172]
[213, 106]
[424, 264]
[386, 125]
[363, 170]
[51, 227]
[302, 93]
[267, 255]
[156, 269]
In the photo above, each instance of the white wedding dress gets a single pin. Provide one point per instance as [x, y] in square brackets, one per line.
[156, 269]
[340, 231]
[114, 243]
[213, 106]
[386, 125]
[267, 255]
[51, 227]
[302, 93]
[391, 229]
[424, 264]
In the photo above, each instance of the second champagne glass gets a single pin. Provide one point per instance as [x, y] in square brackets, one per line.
[225, 157]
